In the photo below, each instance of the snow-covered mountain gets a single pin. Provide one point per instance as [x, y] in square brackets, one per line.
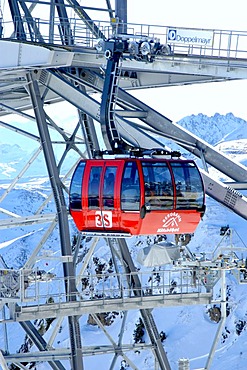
[216, 128]
[189, 330]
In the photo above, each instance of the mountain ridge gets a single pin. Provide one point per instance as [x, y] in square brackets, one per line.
[213, 129]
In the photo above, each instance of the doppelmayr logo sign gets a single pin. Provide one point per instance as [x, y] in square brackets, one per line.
[192, 37]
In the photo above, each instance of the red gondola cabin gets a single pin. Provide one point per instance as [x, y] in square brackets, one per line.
[136, 196]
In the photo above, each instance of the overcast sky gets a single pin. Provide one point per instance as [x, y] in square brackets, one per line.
[222, 97]
[219, 14]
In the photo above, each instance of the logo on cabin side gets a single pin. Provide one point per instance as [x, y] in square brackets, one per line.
[103, 219]
[170, 223]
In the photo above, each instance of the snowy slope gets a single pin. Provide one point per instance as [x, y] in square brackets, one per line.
[189, 330]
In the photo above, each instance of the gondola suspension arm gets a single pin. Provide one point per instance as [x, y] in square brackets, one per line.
[113, 54]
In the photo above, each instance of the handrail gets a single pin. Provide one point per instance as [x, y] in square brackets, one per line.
[225, 43]
[27, 286]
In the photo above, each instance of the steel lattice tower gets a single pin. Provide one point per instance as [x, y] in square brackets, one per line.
[54, 52]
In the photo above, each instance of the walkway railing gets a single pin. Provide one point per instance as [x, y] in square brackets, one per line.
[222, 44]
[38, 287]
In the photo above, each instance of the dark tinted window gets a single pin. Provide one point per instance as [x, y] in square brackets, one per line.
[76, 187]
[93, 187]
[130, 188]
[109, 185]
[189, 186]
[158, 185]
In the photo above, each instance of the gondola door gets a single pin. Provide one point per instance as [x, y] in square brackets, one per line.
[109, 217]
[130, 197]
[99, 203]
